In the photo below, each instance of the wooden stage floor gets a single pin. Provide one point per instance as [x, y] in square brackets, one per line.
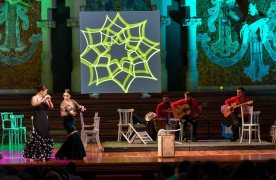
[144, 161]
[235, 152]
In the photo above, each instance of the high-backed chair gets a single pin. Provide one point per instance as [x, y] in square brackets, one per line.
[91, 131]
[256, 115]
[84, 127]
[9, 128]
[125, 118]
[251, 125]
[18, 122]
[273, 132]
[137, 134]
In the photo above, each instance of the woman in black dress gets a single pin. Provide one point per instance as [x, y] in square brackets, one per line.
[72, 148]
[40, 144]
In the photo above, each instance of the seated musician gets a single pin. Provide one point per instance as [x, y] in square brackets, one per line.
[187, 110]
[236, 112]
[163, 112]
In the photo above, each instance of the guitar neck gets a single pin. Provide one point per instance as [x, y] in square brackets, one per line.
[239, 105]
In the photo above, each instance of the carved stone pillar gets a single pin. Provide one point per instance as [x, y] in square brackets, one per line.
[73, 22]
[191, 22]
[164, 73]
[75, 74]
[165, 21]
[46, 56]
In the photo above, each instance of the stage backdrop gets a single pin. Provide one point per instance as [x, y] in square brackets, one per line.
[236, 48]
[120, 52]
[20, 44]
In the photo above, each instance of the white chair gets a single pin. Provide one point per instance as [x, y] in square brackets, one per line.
[90, 132]
[125, 118]
[84, 127]
[138, 135]
[273, 132]
[252, 125]
[256, 115]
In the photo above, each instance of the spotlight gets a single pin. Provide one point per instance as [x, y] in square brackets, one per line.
[94, 95]
[145, 95]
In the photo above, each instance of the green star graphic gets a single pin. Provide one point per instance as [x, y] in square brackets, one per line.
[132, 37]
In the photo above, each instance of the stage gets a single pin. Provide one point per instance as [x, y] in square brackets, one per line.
[142, 159]
[13, 155]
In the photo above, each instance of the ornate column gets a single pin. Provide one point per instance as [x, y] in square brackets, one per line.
[46, 24]
[165, 20]
[191, 21]
[73, 22]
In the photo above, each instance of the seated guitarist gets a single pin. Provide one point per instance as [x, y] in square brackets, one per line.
[236, 112]
[188, 109]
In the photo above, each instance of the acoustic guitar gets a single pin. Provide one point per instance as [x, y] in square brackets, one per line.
[227, 111]
[181, 110]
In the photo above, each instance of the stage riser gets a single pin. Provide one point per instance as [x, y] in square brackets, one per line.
[108, 103]
[191, 146]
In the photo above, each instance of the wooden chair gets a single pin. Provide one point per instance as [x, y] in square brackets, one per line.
[90, 132]
[137, 135]
[273, 132]
[18, 122]
[252, 125]
[9, 128]
[125, 118]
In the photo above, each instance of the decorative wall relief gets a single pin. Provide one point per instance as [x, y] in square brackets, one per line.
[238, 44]
[19, 44]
